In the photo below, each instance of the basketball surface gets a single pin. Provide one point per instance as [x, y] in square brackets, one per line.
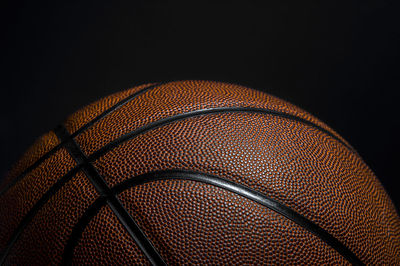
[194, 172]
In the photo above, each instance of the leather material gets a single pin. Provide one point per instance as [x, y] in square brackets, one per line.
[279, 151]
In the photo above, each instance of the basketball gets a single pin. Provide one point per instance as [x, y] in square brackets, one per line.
[194, 172]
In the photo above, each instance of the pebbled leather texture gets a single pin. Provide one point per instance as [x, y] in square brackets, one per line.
[283, 153]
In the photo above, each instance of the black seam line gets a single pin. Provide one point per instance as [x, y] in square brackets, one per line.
[115, 107]
[248, 193]
[238, 189]
[80, 130]
[95, 155]
[33, 211]
[30, 168]
[161, 122]
[78, 229]
[113, 202]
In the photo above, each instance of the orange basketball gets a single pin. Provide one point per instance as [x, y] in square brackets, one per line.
[194, 172]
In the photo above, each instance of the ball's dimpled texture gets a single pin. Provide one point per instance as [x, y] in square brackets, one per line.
[294, 163]
[191, 222]
[20, 198]
[44, 235]
[86, 114]
[108, 246]
[41, 146]
[176, 98]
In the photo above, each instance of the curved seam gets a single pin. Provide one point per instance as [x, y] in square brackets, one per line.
[168, 120]
[269, 111]
[30, 168]
[77, 132]
[244, 191]
[111, 145]
[113, 202]
[115, 107]
[78, 229]
[35, 209]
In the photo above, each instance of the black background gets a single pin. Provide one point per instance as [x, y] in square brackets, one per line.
[337, 60]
